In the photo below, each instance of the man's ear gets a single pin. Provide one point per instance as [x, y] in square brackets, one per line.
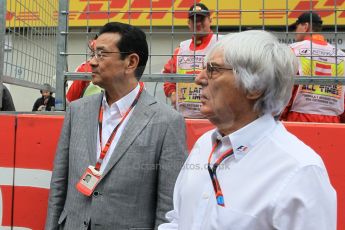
[132, 62]
[306, 27]
[254, 95]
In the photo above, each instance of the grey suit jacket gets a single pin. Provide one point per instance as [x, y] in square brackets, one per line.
[136, 187]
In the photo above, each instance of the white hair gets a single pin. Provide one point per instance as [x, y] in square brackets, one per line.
[261, 64]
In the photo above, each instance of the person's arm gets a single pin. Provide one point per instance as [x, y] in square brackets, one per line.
[170, 67]
[78, 87]
[172, 157]
[286, 111]
[36, 105]
[59, 180]
[7, 102]
[342, 116]
[51, 103]
[308, 201]
[76, 90]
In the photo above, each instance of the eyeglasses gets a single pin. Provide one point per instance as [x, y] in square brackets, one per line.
[212, 70]
[99, 54]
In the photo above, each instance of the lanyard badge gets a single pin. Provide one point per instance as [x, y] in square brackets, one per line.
[213, 173]
[88, 181]
[92, 175]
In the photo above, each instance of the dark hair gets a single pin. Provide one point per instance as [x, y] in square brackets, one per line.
[310, 17]
[316, 27]
[133, 40]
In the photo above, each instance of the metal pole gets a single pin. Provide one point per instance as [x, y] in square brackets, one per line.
[2, 44]
[61, 60]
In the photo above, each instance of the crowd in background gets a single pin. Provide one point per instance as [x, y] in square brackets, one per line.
[309, 103]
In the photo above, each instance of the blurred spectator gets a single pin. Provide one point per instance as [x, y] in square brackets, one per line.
[76, 90]
[315, 103]
[7, 102]
[80, 88]
[188, 58]
[47, 101]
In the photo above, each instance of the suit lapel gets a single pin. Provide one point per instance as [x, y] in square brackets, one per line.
[92, 110]
[140, 117]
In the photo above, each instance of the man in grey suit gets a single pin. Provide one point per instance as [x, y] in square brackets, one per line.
[119, 152]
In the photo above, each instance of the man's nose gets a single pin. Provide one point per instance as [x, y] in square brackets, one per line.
[198, 23]
[93, 61]
[201, 78]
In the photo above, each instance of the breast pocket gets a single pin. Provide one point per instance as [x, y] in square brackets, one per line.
[231, 219]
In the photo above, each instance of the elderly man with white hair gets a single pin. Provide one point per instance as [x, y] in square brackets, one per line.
[250, 173]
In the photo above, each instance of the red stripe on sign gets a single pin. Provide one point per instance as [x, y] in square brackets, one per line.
[324, 66]
[322, 73]
[272, 13]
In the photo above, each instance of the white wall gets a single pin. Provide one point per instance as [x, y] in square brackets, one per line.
[23, 98]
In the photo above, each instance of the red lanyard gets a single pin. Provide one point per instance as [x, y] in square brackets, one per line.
[113, 133]
[213, 174]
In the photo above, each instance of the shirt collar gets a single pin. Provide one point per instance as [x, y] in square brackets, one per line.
[124, 103]
[316, 38]
[244, 139]
[202, 42]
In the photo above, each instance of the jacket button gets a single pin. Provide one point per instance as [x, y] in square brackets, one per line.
[95, 193]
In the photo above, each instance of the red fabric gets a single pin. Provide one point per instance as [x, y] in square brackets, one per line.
[302, 117]
[317, 39]
[170, 66]
[203, 42]
[287, 109]
[78, 86]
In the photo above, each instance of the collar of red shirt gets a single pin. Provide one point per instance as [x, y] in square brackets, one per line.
[201, 42]
[316, 38]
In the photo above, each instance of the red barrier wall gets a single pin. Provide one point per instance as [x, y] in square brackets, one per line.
[28, 144]
[30, 151]
[7, 143]
[36, 142]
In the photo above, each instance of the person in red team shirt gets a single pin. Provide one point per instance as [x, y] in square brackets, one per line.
[188, 58]
[78, 87]
[315, 103]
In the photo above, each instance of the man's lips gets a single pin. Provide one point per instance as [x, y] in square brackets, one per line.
[203, 98]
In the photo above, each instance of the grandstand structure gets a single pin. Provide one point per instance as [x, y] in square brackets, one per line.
[44, 41]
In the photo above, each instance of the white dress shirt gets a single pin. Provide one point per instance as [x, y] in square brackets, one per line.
[272, 181]
[112, 116]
